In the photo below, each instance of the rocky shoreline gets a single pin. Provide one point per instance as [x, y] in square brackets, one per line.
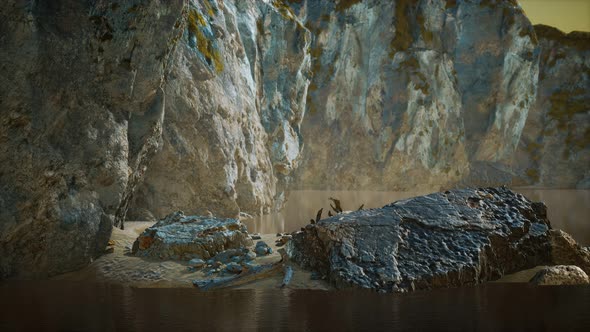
[448, 239]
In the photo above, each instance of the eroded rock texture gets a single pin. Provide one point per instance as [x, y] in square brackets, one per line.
[403, 90]
[555, 146]
[459, 237]
[81, 110]
[235, 100]
[186, 237]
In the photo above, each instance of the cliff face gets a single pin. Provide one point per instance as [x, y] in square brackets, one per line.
[235, 99]
[555, 146]
[148, 107]
[85, 89]
[81, 113]
[414, 92]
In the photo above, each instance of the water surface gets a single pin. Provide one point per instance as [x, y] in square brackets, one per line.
[71, 306]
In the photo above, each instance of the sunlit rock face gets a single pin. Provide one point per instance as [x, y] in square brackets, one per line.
[81, 109]
[408, 93]
[235, 100]
[555, 146]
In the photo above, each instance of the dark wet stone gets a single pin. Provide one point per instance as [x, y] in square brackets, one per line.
[439, 240]
[262, 249]
[184, 237]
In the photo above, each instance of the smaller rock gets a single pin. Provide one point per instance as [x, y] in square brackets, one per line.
[196, 263]
[111, 242]
[255, 236]
[233, 268]
[250, 256]
[191, 269]
[262, 249]
[109, 250]
[279, 234]
[560, 275]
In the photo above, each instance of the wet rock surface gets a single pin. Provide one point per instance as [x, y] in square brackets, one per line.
[446, 239]
[560, 275]
[186, 237]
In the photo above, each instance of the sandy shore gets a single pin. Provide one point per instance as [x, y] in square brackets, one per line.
[122, 267]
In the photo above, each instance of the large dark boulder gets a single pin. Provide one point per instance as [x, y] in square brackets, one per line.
[445, 239]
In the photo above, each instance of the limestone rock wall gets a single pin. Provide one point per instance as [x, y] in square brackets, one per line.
[235, 101]
[555, 146]
[408, 93]
[81, 110]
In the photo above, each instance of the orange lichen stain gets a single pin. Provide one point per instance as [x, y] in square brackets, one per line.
[145, 242]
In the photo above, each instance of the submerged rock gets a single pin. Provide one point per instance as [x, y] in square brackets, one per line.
[561, 275]
[183, 237]
[445, 239]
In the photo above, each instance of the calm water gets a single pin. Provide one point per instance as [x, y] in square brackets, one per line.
[568, 209]
[60, 306]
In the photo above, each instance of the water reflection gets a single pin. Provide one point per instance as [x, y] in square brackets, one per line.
[99, 307]
[568, 209]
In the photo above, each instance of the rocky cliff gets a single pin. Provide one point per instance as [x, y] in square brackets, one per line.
[555, 147]
[148, 107]
[408, 93]
[85, 90]
[81, 108]
[235, 100]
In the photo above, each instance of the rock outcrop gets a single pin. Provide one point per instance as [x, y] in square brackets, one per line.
[183, 237]
[446, 239]
[405, 90]
[235, 100]
[555, 147]
[81, 111]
